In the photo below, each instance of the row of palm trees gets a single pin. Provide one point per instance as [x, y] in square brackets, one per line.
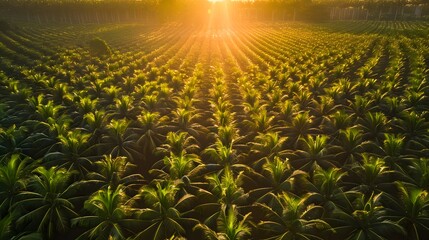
[119, 148]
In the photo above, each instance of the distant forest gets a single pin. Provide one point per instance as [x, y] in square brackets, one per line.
[192, 11]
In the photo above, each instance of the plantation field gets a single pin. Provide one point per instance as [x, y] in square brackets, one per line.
[245, 131]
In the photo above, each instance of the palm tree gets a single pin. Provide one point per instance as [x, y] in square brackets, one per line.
[228, 226]
[336, 122]
[47, 205]
[110, 216]
[12, 140]
[277, 176]
[366, 221]
[410, 210]
[349, 146]
[301, 126]
[361, 106]
[347, 88]
[286, 111]
[393, 107]
[180, 166]
[166, 211]
[46, 137]
[324, 107]
[372, 175]
[227, 188]
[416, 173]
[414, 127]
[120, 140]
[71, 155]
[48, 110]
[224, 157]
[95, 123]
[327, 189]
[225, 192]
[87, 105]
[115, 171]
[265, 147]
[125, 107]
[185, 120]
[303, 99]
[151, 126]
[392, 150]
[178, 144]
[291, 218]
[13, 179]
[374, 126]
[316, 153]
[260, 121]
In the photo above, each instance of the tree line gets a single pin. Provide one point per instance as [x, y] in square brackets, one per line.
[195, 11]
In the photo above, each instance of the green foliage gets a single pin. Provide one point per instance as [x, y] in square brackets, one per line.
[285, 131]
[99, 48]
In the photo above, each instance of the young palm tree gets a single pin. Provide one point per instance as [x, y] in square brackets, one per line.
[392, 150]
[289, 217]
[48, 110]
[14, 174]
[414, 127]
[416, 173]
[360, 106]
[224, 157]
[186, 121]
[95, 123]
[180, 166]
[120, 140]
[260, 121]
[372, 175]
[225, 192]
[301, 126]
[110, 217]
[166, 211]
[71, 155]
[48, 203]
[366, 221]
[265, 147]
[336, 122]
[349, 146]
[87, 105]
[115, 171]
[327, 190]
[286, 111]
[178, 144]
[315, 153]
[393, 107]
[410, 210]
[277, 176]
[227, 188]
[125, 107]
[228, 226]
[322, 108]
[150, 129]
[12, 140]
[374, 125]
